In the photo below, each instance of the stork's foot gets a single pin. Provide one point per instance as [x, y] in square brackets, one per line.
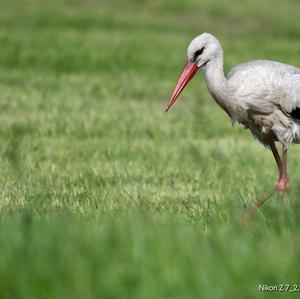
[281, 184]
[280, 187]
[246, 218]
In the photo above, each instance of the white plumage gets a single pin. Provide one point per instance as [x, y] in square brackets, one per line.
[262, 95]
[259, 94]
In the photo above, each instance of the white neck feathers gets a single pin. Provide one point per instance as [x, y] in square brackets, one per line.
[216, 82]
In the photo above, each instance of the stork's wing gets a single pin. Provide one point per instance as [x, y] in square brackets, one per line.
[287, 94]
[263, 85]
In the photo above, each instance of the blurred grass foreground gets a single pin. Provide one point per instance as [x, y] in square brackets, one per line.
[103, 195]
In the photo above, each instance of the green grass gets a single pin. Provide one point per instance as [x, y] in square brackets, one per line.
[103, 195]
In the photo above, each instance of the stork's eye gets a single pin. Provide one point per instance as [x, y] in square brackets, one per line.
[198, 52]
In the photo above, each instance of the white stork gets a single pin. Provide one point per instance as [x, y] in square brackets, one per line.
[262, 95]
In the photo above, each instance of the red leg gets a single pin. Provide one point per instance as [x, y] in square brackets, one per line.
[281, 184]
[275, 154]
[283, 177]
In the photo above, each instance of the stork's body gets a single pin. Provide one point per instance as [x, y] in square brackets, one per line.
[262, 95]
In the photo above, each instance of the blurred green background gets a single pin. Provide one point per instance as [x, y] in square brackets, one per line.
[103, 195]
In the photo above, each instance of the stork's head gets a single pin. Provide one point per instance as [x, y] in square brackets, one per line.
[201, 51]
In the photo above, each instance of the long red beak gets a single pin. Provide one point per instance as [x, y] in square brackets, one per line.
[187, 74]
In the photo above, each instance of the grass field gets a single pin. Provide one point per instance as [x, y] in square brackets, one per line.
[103, 195]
